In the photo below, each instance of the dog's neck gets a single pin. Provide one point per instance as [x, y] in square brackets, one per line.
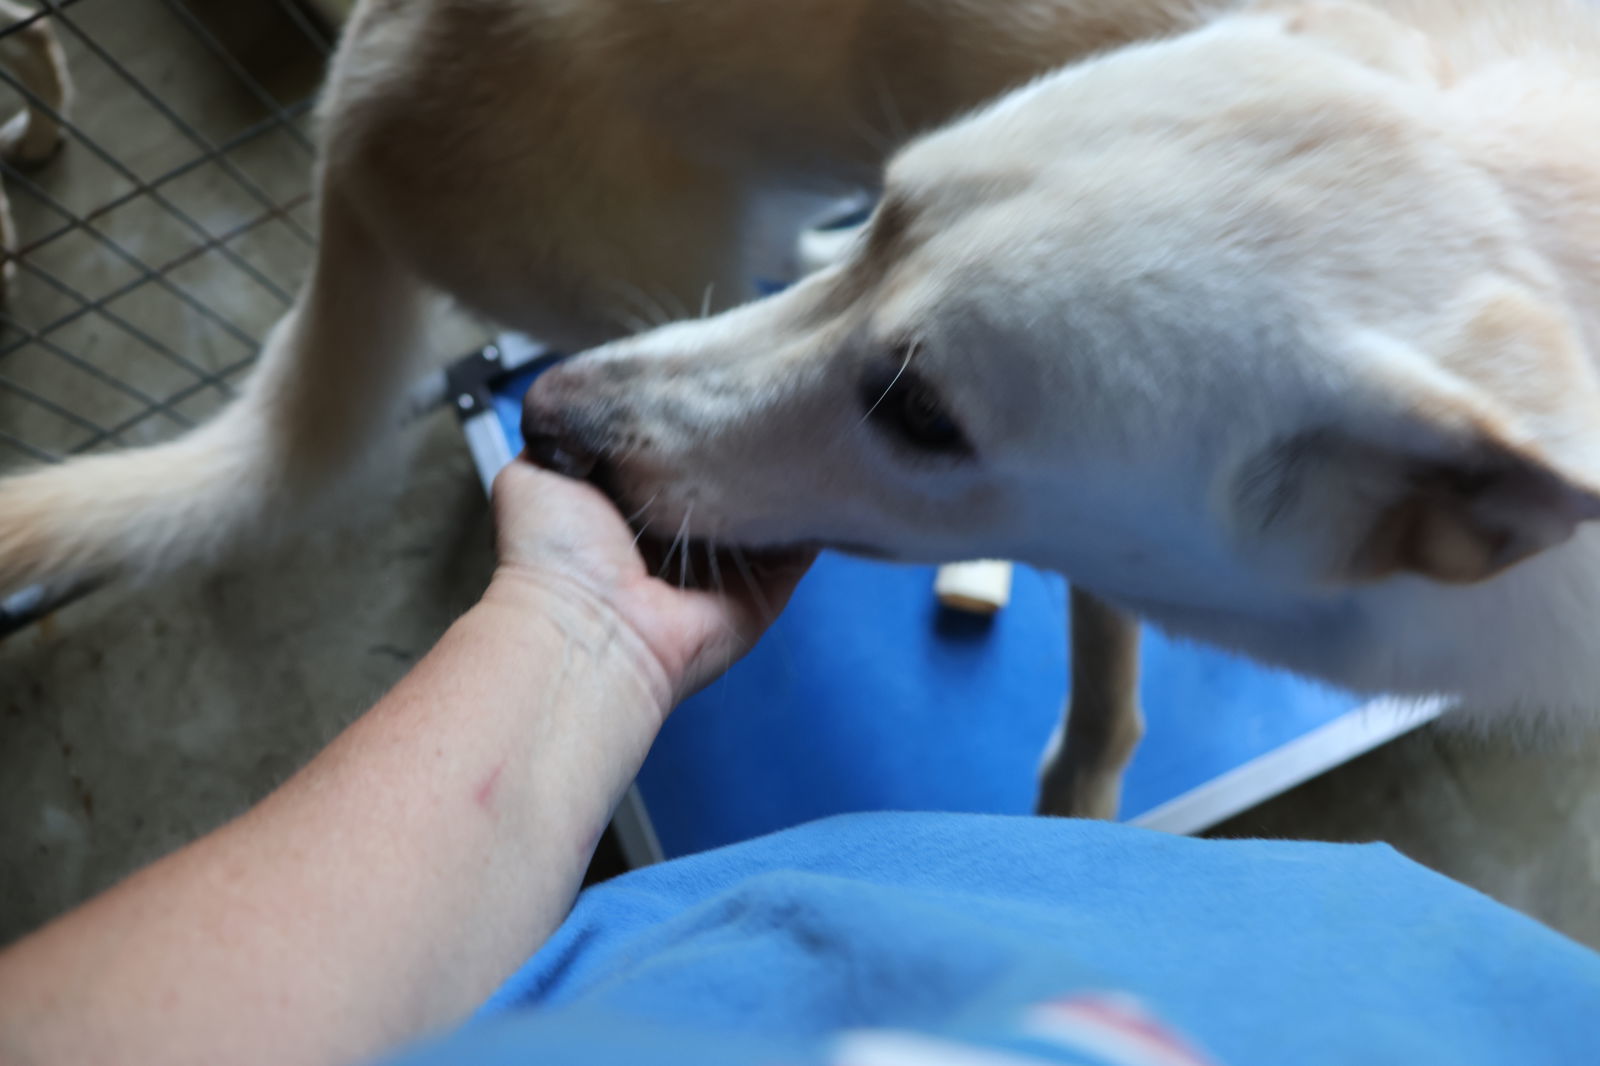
[1557, 195]
[1531, 119]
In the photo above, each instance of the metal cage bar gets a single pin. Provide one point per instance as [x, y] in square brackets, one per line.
[153, 252]
[148, 258]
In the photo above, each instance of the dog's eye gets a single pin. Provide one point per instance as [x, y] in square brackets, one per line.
[900, 402]
[923, 420]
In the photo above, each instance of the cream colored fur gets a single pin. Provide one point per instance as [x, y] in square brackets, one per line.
[1276, 326]
[570, 168]
[1281, 333]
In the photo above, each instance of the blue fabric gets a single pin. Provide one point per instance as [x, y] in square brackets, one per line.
[1262, 952]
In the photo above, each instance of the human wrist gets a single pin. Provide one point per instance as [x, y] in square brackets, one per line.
[552, 606]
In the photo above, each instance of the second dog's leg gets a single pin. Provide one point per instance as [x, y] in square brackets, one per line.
[1082, 772]
[326, 390]
[34, 55]
[30, 136]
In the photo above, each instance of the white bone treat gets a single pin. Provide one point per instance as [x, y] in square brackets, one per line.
[981, 587]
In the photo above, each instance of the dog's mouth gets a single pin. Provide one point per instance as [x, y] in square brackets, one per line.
[724, 568]
[706, 562]
[861, 551]
[686, 559]
[720, 567]
[679, 549]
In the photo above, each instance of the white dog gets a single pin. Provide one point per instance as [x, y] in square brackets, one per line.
[1276, 333]
[1274, 328]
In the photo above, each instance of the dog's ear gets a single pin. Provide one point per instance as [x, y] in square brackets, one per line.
[1362, 33]
[1468, 517]
[1424, 482]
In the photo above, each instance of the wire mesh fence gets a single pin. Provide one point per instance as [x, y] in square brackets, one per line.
[172, 227]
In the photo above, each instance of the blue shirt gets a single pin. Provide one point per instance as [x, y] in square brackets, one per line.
[970, 940]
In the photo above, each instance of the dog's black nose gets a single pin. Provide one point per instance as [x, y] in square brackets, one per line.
[562, 455]
[551, 431]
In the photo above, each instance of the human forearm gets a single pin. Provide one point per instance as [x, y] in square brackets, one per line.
[387, 887]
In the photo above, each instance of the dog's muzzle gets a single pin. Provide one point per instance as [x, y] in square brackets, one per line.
[558, 433]
[554, 452]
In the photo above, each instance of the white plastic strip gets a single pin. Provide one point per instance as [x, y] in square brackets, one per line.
[487, 442]
[1298, 761]
[635, 833]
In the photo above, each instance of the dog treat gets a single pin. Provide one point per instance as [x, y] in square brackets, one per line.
[981, 587]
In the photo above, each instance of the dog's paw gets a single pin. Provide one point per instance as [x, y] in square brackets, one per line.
[24, 143]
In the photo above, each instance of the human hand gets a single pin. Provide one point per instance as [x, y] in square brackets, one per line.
[562, 541]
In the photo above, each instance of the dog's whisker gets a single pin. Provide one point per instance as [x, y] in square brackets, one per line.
[635, 516]
[764, 605]
[630, 322]
[892, 114]
[743, 565]
[625, 302]
[633, 449]
[643, 313]
[683, 562]
[628, 303]
[637, 537]
[711, 563]
[652, 309]
[669, 302]
[705, 300]
[875, 140]
[737, 644]
[672, 549]
[887, 389]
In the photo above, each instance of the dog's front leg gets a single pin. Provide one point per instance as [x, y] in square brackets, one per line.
[1081, 776]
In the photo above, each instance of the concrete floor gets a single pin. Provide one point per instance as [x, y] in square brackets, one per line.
[1520, 825]
[137, 719]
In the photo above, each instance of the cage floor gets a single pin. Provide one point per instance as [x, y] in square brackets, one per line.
[169, 232]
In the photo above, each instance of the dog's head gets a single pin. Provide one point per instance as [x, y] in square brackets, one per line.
[1223, 321]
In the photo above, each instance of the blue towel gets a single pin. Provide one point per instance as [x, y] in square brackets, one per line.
[878, 939]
